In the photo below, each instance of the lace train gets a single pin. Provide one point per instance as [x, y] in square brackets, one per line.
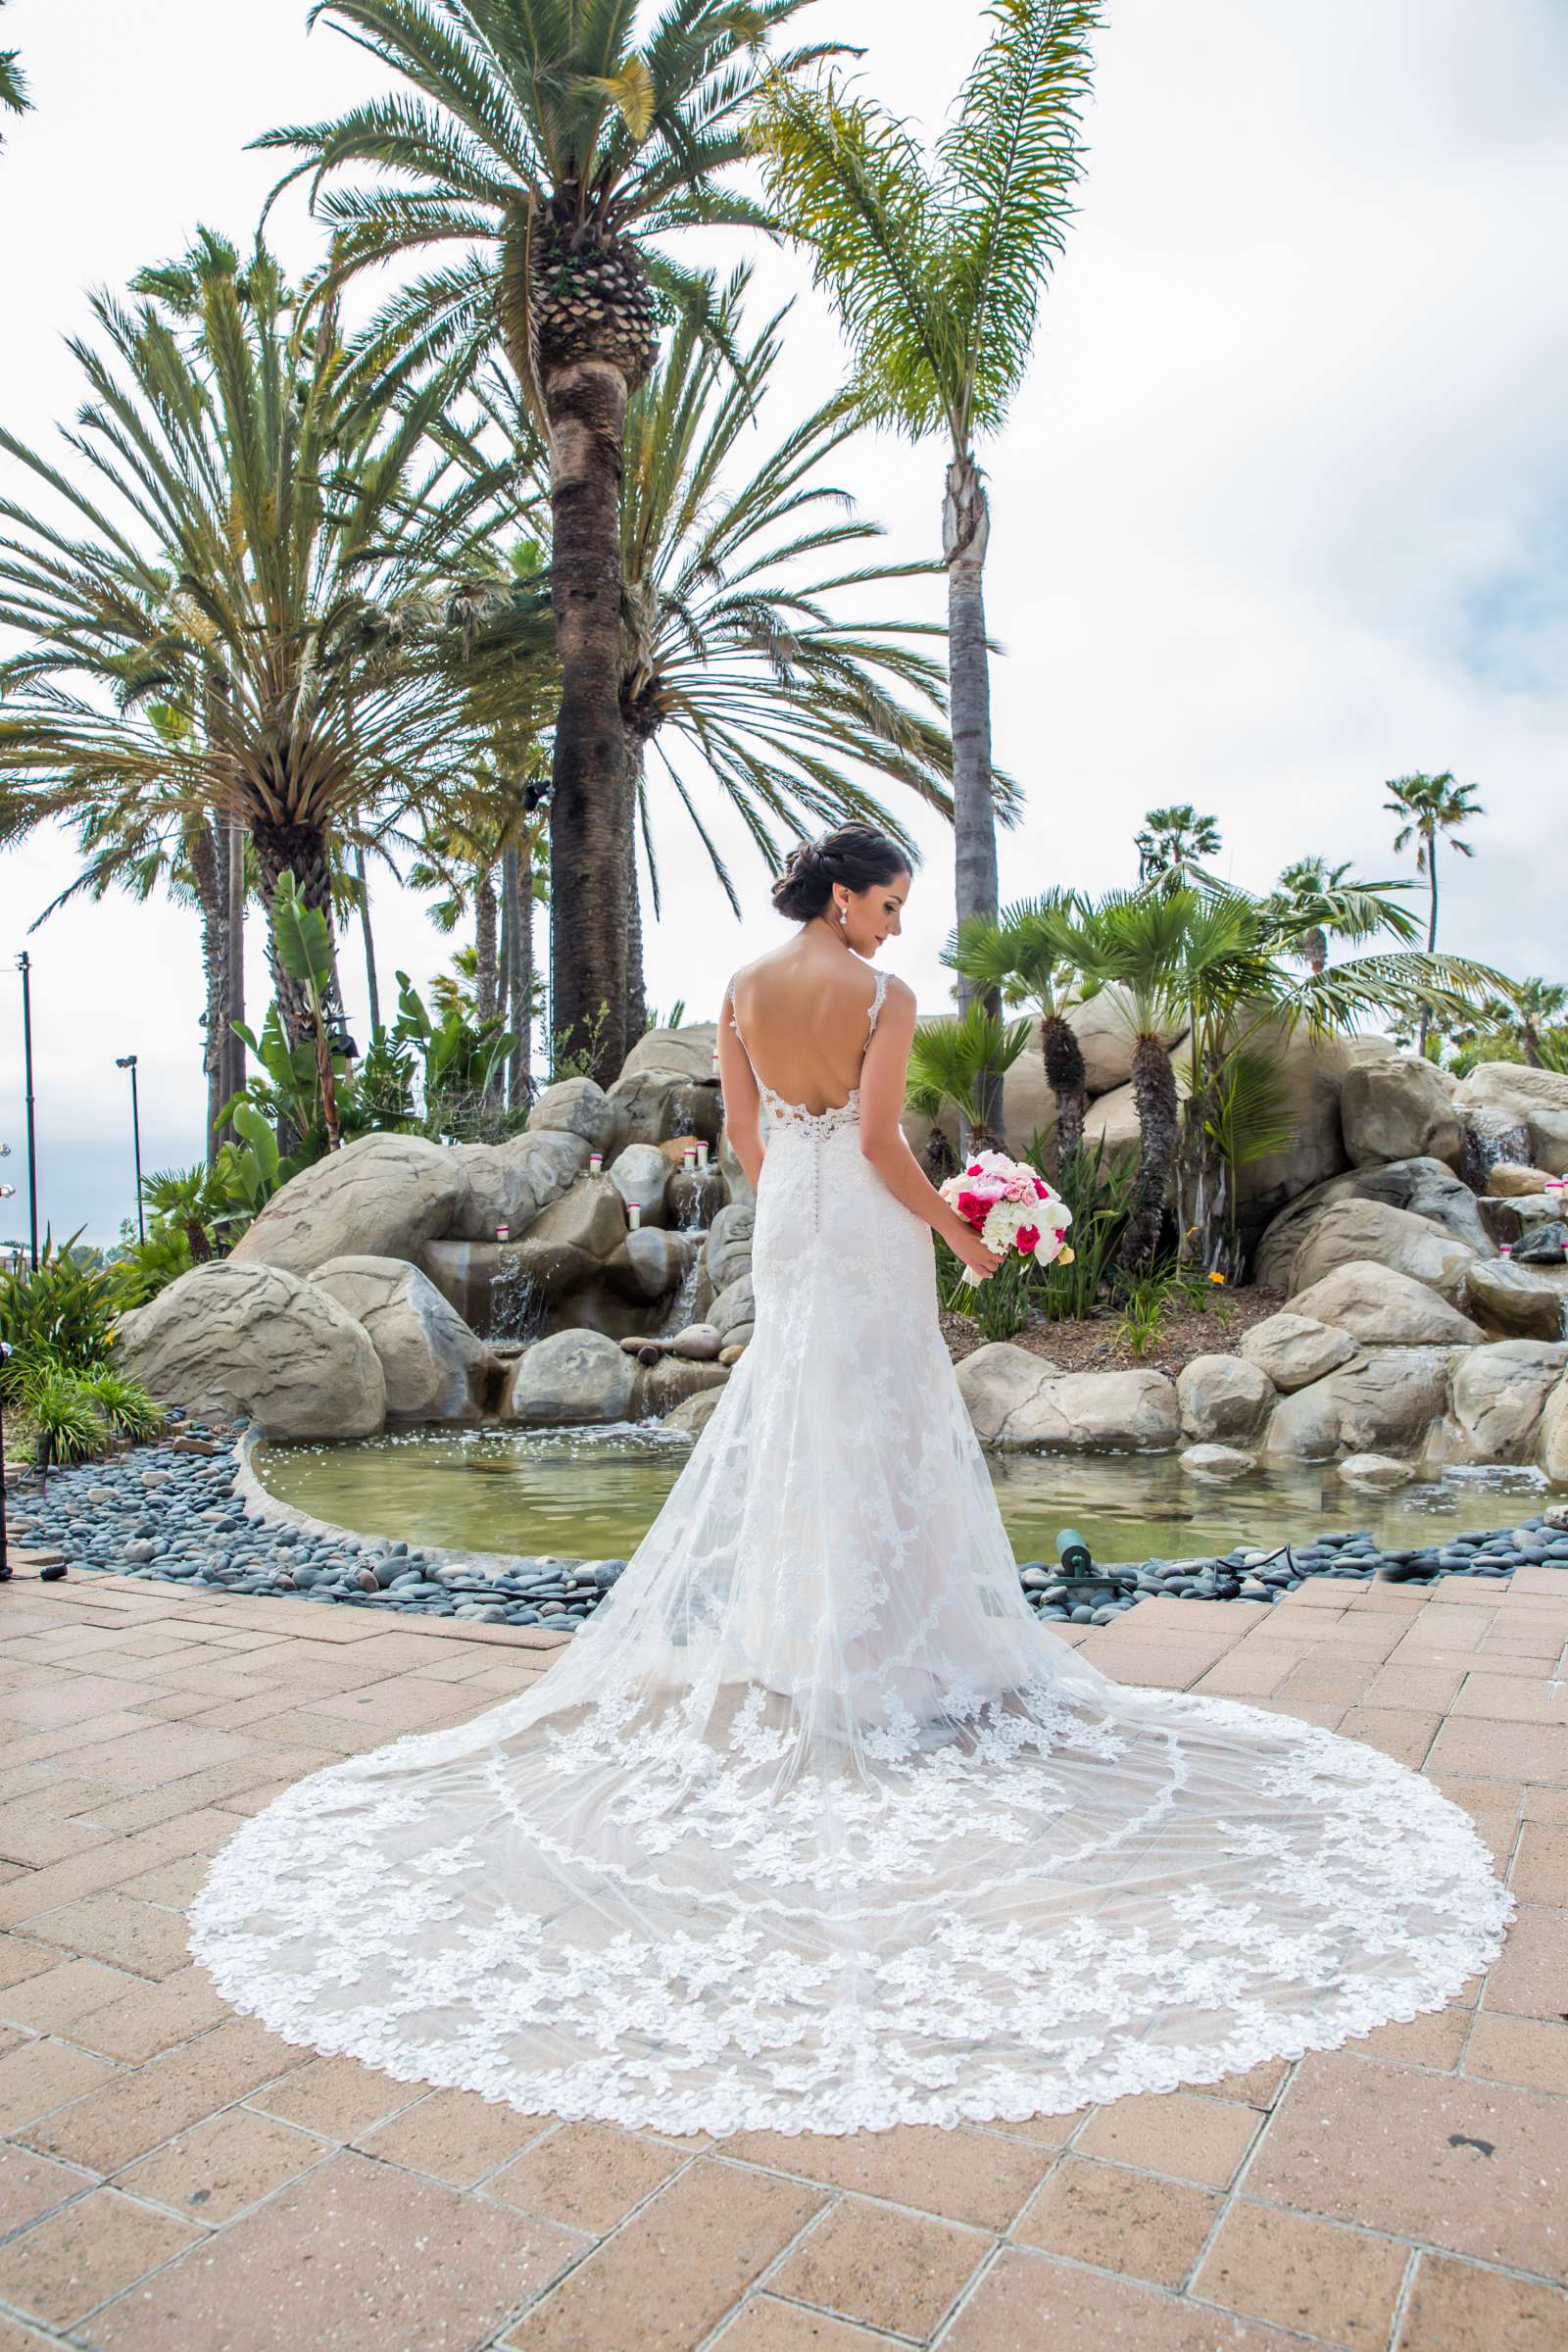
[814, 1826]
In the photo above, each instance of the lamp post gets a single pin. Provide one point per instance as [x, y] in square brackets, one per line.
[127, 1061]
[25, 967]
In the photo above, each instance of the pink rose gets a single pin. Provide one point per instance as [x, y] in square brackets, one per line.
[1041, 1188]
[970, 1206]
[1027, 1238]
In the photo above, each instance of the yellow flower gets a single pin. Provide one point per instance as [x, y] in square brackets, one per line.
[1064, 1257]
[1216, 1278]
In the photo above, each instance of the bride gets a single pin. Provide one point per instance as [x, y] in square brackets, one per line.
[813, 1826]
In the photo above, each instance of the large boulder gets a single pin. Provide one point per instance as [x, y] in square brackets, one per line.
[578, 1107]
[1386, 1404]
[1424, 1188]
[693, 1415]
[571, 1376]
[686, 1053]
[733, 1312]
[1510, 1181]
[1524, 1300]
[1383, 1309]
[382, 1196]
[1310, 1073]
[727, 1253]
[1552, 1445]
[1111, 1122]
[662, 1386]
[1348, 1232]
[1399, 1109]
[257, 1340]
[657, 1104]
[650, 1263]
[994, 1381]
[1537, 1100]
[1497, 1398]
[1085, 1412]
[510, 1183]
[1292, 1351]
[642, 1173]
[432, 1364]
[1105, 1034]
[1224, 1400]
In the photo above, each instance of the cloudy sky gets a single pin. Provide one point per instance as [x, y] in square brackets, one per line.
[1279, 513]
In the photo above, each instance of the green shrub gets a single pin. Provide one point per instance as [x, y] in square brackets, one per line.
[127, 1408]
[58, 1314]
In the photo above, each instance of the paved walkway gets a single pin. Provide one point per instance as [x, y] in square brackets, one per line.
[171, 2174]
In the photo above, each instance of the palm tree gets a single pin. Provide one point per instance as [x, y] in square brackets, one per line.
[935, 268]
[1172, 843]
[1022, 954]
[12, 82]
[1313, 901]
[536, 139]
[1140, 942]
[230, 618]
[1431, 807]
[948, 1064]
[737, 648]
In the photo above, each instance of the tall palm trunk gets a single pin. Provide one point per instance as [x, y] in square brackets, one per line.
[965, 533]
[1159, 1124]
[519, 1000]
[486, 963]
[636, 997]
[1068, 1080]
[207, 879]
[231, 836]
[590, 803]
[368, 936]
[1425, 1021]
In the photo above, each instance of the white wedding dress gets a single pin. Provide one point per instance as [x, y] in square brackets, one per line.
[813, 1826]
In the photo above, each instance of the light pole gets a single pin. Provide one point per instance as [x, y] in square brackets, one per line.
[127, 1061]
[25, 967]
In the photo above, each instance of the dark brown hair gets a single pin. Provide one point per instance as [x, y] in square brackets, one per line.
[855, 855]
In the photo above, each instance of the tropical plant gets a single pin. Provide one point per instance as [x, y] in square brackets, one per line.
[303, 942]
[145, 1264]
[948, 1065]
[234, 618]
[934, 268]
[60, 1311]
[557, 153]
[74, 1414]
[196, 1203]
[1313, 901]
[126, 1408]
[1431, 808]
[1527, 1027]
[1002, 1305]
[1172, 843]
[12, 82]
[1097, 1188]
[459, 1058]
[1019, 954]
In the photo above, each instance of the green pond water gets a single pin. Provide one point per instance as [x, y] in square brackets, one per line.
[593, 1493]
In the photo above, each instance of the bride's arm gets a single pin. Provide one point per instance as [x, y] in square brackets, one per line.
[882, 1139]
[743, 1104]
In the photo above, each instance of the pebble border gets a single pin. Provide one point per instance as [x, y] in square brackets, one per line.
[191, 1511]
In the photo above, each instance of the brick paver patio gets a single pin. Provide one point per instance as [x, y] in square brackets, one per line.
[171, 2174]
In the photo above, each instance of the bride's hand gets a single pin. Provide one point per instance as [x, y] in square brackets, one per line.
[968, 1245]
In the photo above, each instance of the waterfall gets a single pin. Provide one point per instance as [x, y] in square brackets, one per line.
[516, 1303]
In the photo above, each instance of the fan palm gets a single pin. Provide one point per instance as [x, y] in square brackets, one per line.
[1021, 953]
[1172, 843]
[948, 1064]
[1312, 902]
[935, 268]
[245, 561]
[1431, 808]
[534, 137]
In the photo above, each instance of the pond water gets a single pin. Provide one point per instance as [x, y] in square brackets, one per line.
[592, 1493]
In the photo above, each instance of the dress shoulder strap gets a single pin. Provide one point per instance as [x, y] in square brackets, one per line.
[730, 993]
[876, 1004]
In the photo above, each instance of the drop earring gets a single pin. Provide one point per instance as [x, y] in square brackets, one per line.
[844, 916]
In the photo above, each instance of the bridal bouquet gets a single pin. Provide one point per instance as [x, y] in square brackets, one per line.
[1011, 1207]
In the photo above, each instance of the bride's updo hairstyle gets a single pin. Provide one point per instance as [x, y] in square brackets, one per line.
[857, 855]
